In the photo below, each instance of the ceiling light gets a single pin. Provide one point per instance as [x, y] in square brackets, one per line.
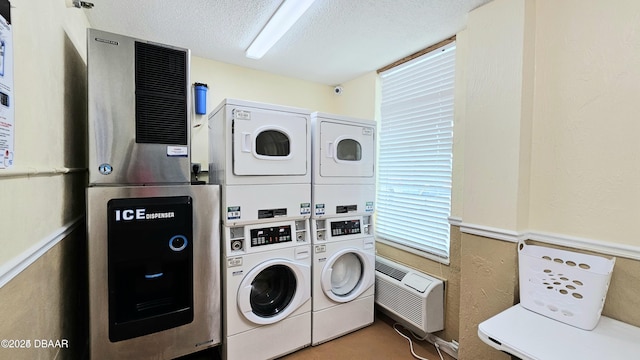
[287, 14]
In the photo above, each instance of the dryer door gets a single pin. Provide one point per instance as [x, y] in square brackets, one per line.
[347, 274]
[269, 143]
[346, 150]
[273, 290]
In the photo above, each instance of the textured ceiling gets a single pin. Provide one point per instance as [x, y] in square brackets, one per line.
[335, 40]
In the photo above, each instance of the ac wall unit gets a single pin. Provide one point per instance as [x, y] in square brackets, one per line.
[410, 297]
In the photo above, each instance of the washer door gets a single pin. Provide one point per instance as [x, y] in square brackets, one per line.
[273, 290]
[347, 274]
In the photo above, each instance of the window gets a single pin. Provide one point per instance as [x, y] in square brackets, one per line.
[415, 154]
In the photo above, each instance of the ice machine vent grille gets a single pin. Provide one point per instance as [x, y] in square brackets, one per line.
[161, 95]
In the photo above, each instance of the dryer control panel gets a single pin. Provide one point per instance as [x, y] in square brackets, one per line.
[270, 235]
[341, 228]
[346, 227]
[239, 240]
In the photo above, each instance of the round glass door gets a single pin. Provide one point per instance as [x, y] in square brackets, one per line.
[349, 150]
[346, 274]
[273, 143]
[272, 290]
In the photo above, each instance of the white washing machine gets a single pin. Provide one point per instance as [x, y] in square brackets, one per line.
[343, 156]
[266, 290]
[343, 277]
[261, 155]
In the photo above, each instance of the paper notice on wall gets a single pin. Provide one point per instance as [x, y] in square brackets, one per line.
[7, 110]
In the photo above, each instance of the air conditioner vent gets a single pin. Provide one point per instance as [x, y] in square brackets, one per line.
[390, 271]
[401, 301]
[410, 297]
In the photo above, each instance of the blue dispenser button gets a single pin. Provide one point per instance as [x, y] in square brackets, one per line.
[178, 243]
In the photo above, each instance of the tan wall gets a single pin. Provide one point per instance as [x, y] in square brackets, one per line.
[231, 81]
[544, 150]
[580, 112]
[623, 297]
[498, 115]
[44, 301]
[489, 285]
[47, 301]
[50, 109]
[360, 97]
[585, 176]
[584, 101]
[451, 274]
[50, 93]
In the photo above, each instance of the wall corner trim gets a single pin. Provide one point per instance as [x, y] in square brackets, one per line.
[15, 266]
[599, 246]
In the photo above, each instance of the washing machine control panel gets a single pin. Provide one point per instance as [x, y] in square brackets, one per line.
[271, 235]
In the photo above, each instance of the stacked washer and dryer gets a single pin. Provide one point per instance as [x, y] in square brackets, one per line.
[260, 155]
[153, 238]
[343, 192]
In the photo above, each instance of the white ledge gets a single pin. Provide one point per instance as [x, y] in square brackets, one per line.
[32, 171]
[16, 265]
[599, 246]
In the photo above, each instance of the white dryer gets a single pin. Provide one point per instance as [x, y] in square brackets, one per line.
[266, 290]
[343, 277]
[343, 157]
[261, 156]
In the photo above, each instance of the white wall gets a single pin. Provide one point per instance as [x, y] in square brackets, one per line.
[50, 103]
[551, 123]
[459, 116]
[50, 93]
[231, 81]
[360, 97]
[358, 100]
[499, 81]
[585, 175]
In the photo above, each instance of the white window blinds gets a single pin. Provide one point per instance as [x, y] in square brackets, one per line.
[415, 153]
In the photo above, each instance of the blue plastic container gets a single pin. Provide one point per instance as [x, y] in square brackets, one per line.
[201, 98]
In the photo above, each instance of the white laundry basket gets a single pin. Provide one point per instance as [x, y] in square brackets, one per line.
[566, 286]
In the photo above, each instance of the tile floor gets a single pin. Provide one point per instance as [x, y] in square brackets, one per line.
[377, 341]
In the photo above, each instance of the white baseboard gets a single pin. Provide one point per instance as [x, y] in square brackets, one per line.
[16, 265]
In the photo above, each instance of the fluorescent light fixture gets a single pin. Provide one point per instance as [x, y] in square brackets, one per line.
[287, 14]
